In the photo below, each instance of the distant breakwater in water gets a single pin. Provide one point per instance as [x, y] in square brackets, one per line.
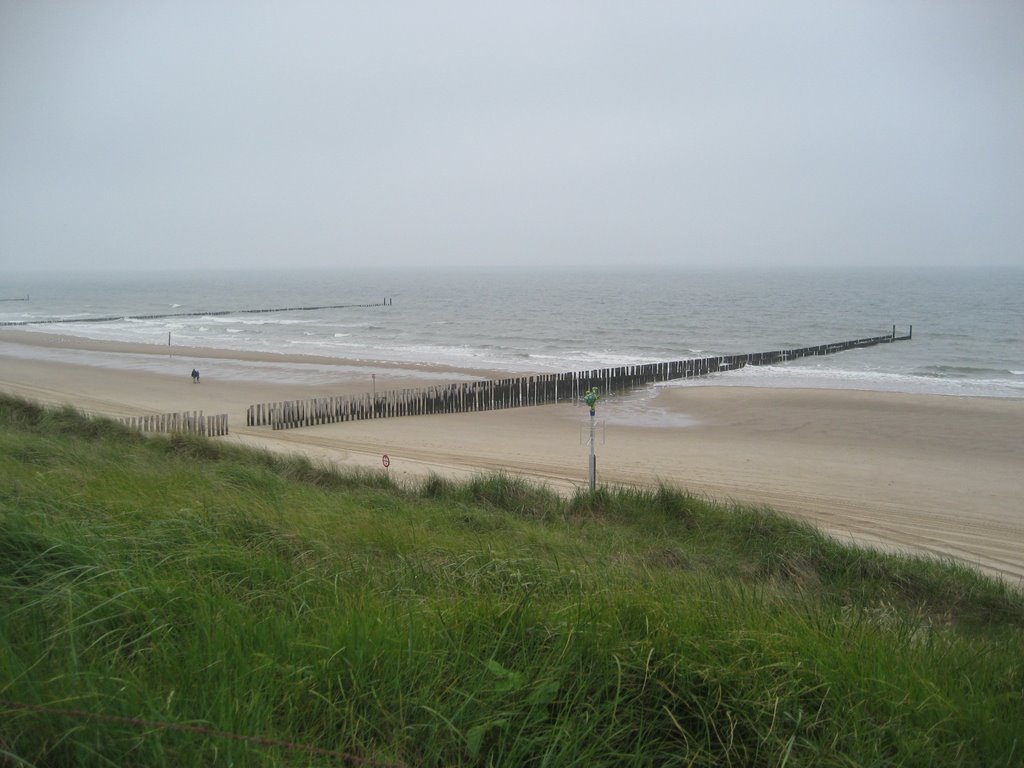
[204, 313]
[497, 394]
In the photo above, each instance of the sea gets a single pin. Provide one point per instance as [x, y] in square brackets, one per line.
[968, 324]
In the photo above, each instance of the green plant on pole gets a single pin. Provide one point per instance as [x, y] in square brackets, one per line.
[590, 398]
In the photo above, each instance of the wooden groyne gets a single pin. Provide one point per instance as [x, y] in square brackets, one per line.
[205, 313]
[496, 394]
[188, 422]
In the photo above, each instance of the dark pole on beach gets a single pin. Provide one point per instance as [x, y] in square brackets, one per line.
[591, 399]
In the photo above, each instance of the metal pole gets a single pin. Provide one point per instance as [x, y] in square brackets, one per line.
[591, 399]
[593, 458]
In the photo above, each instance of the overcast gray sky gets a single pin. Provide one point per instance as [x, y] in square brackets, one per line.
[214, 133]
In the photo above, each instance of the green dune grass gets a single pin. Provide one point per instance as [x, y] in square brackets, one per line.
[178, 601]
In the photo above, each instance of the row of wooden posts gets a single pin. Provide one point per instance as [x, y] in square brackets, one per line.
[488, 395]
[190, 422]
[202, 313]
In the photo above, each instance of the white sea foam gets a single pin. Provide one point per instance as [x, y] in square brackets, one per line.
[838, 378]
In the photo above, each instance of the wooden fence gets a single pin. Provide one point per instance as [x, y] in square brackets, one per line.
[189, 422]
[489, 395]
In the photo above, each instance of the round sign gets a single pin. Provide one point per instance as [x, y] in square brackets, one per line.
[386, 461]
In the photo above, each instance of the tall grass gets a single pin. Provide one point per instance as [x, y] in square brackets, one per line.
[190, 583]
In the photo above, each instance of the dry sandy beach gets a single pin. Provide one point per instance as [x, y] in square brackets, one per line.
[919, 473]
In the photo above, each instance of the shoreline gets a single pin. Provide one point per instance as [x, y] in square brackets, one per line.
[934, 474]
[49, 340]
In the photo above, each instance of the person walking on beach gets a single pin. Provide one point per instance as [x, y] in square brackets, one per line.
[195, 376]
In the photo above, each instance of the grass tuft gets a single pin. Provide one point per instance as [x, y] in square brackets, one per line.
[509, 494]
